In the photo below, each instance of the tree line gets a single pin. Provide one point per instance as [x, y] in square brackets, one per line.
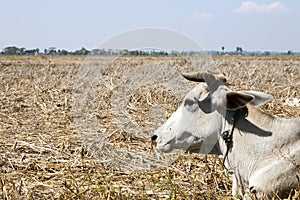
[12, 50]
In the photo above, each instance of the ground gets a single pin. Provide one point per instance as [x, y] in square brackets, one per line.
[44, 153]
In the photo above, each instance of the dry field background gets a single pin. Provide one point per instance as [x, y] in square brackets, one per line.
[43, 155]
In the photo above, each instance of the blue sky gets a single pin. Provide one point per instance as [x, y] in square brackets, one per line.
[253, 25]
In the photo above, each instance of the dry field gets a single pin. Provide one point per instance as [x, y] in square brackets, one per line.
[47, 150]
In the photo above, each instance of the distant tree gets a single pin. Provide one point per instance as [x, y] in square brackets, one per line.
[239, 50]
[125, 52]
[96, 52]
[290, 52]
[64, 52]
[52, 51]
[13, 50]
[163, 53]
[134, 53]
[174, 53]
[22, 51]
[82, 51]
[31, 52]
[266, 53]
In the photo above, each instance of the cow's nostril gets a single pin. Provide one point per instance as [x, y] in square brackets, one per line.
[153, 138]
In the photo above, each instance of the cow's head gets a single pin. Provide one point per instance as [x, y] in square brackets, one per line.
[197, 122]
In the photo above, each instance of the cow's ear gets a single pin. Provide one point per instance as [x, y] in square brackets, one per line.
[260, 98]
[237, 100]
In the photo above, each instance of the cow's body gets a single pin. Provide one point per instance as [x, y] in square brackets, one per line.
[265, 150]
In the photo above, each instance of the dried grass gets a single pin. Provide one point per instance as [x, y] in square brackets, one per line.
[42, 155]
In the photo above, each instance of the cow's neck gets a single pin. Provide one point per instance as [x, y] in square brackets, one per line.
[250, 124]
[241, 124]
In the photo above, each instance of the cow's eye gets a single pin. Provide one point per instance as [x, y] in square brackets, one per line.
[189, 102]
[190, 105]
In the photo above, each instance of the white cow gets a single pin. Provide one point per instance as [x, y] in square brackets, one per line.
[262, 150]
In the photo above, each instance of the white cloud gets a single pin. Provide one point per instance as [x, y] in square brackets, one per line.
[202, 16]
[252, 7]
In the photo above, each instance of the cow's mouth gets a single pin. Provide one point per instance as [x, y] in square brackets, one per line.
[169, 142]
[195, 146]
[167, 147]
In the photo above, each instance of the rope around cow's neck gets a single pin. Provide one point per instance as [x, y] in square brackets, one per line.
[227, 136]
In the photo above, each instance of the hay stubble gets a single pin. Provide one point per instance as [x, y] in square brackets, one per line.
[43, 157]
